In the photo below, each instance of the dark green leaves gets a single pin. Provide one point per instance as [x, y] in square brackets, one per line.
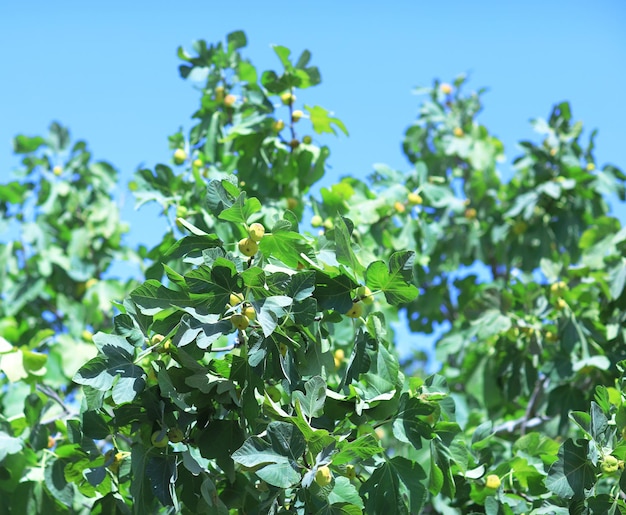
[152, 297]
[24, 144]
[395, 487]
[408, 426]
[572, 474]
[334, 292]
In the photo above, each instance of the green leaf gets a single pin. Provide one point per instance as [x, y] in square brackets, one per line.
[573, 473]
[382, 378]
[152, 297]
[407, 426]
[109, 504]
[94, 425]
[339, 509]
[334, 292]
[276, 457]
[192, 246]
[270, 310]
[13, 192]
[287, 246]
[599, 424]
[25, 144]
[393, 281]
[397, 486]
[441, 479]
[617, 279]
[9, 445]
[281, 474]
[283, 54]
[115, 367]
[221, 195]
[312, 402]
[360, 449]
[140, 488]
[236, 40]
[21, 364]
[301, 285]
[286, 439]
[211, 287]
[491, 322]
[161, 471]
[345, 492]
[113, 345]
[323, 121]
[241, 210]
[345, 253]
[56, 483]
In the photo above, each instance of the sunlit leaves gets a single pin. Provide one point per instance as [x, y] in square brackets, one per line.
[9, 445]
[323, 121]
[393, 279]
[274, 457]
[284, 245]
[241, 210]
[361, 448]
[114, 365]
[260, 407]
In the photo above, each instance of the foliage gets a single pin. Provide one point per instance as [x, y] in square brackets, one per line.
[252, 372]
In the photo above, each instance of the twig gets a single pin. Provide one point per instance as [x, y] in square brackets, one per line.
[46, 390]
[539, 388]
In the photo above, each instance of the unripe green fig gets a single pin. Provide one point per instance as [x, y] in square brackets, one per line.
[323, 476]
[159, 439]
[610, 464]
[249, 313]
[235, 299]
[240, 321]
[179, 156]
[175, 434]
[248, 247]
[356, 310]
[492, 482]
[288, 98]
[365, 295]
[256, 231]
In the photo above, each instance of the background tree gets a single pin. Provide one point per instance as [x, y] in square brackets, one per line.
[255, 369]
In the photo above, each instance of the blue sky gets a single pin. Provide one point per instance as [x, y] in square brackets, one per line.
[108, 70]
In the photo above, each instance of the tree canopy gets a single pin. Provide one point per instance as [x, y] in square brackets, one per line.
[255, 367]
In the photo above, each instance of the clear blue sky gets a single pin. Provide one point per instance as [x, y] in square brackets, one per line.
[108, 70]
